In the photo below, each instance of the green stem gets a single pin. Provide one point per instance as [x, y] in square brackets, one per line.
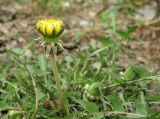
[35, 91]
[58, 83]
[133, 81]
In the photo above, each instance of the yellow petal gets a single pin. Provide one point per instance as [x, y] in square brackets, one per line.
[51, 20]
[58, 28]
[49, 29]
[43, 28]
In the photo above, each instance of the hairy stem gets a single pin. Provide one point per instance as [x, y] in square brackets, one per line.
[58, 83]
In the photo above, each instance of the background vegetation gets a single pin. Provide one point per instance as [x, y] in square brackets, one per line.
[109, 66]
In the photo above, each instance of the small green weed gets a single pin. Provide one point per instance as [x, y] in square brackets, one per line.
[94, 85]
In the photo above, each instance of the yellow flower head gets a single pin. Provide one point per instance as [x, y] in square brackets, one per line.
[50, 28]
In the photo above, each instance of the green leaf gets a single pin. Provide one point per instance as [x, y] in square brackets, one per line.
[68, 59]
[140, 105]
[124, 34]
[97, 116]
[94, 89]
[130, 73]
[35, 70]
[155, 115]
[131, 28]
[142, 72]
[41, 95]
[69, 116]
[105, 17]
[116, 78]
[127, 33]
[154, 98]
[133, 72]
[4, 72]
[13, 114]
[106, 41]
[4, 106]
[97, 65]
[88, 106]
[21, 75]
[116, 104]
[16, 51]
[42, 62]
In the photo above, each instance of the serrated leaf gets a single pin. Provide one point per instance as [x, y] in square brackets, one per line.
[142, 72]
[140, 105]
[88, 106]
[116, 104]
[42, 62]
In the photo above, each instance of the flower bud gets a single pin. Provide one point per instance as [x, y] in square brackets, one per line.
[94, 89]
[130, 74]
[50, 28]
[92, 92]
